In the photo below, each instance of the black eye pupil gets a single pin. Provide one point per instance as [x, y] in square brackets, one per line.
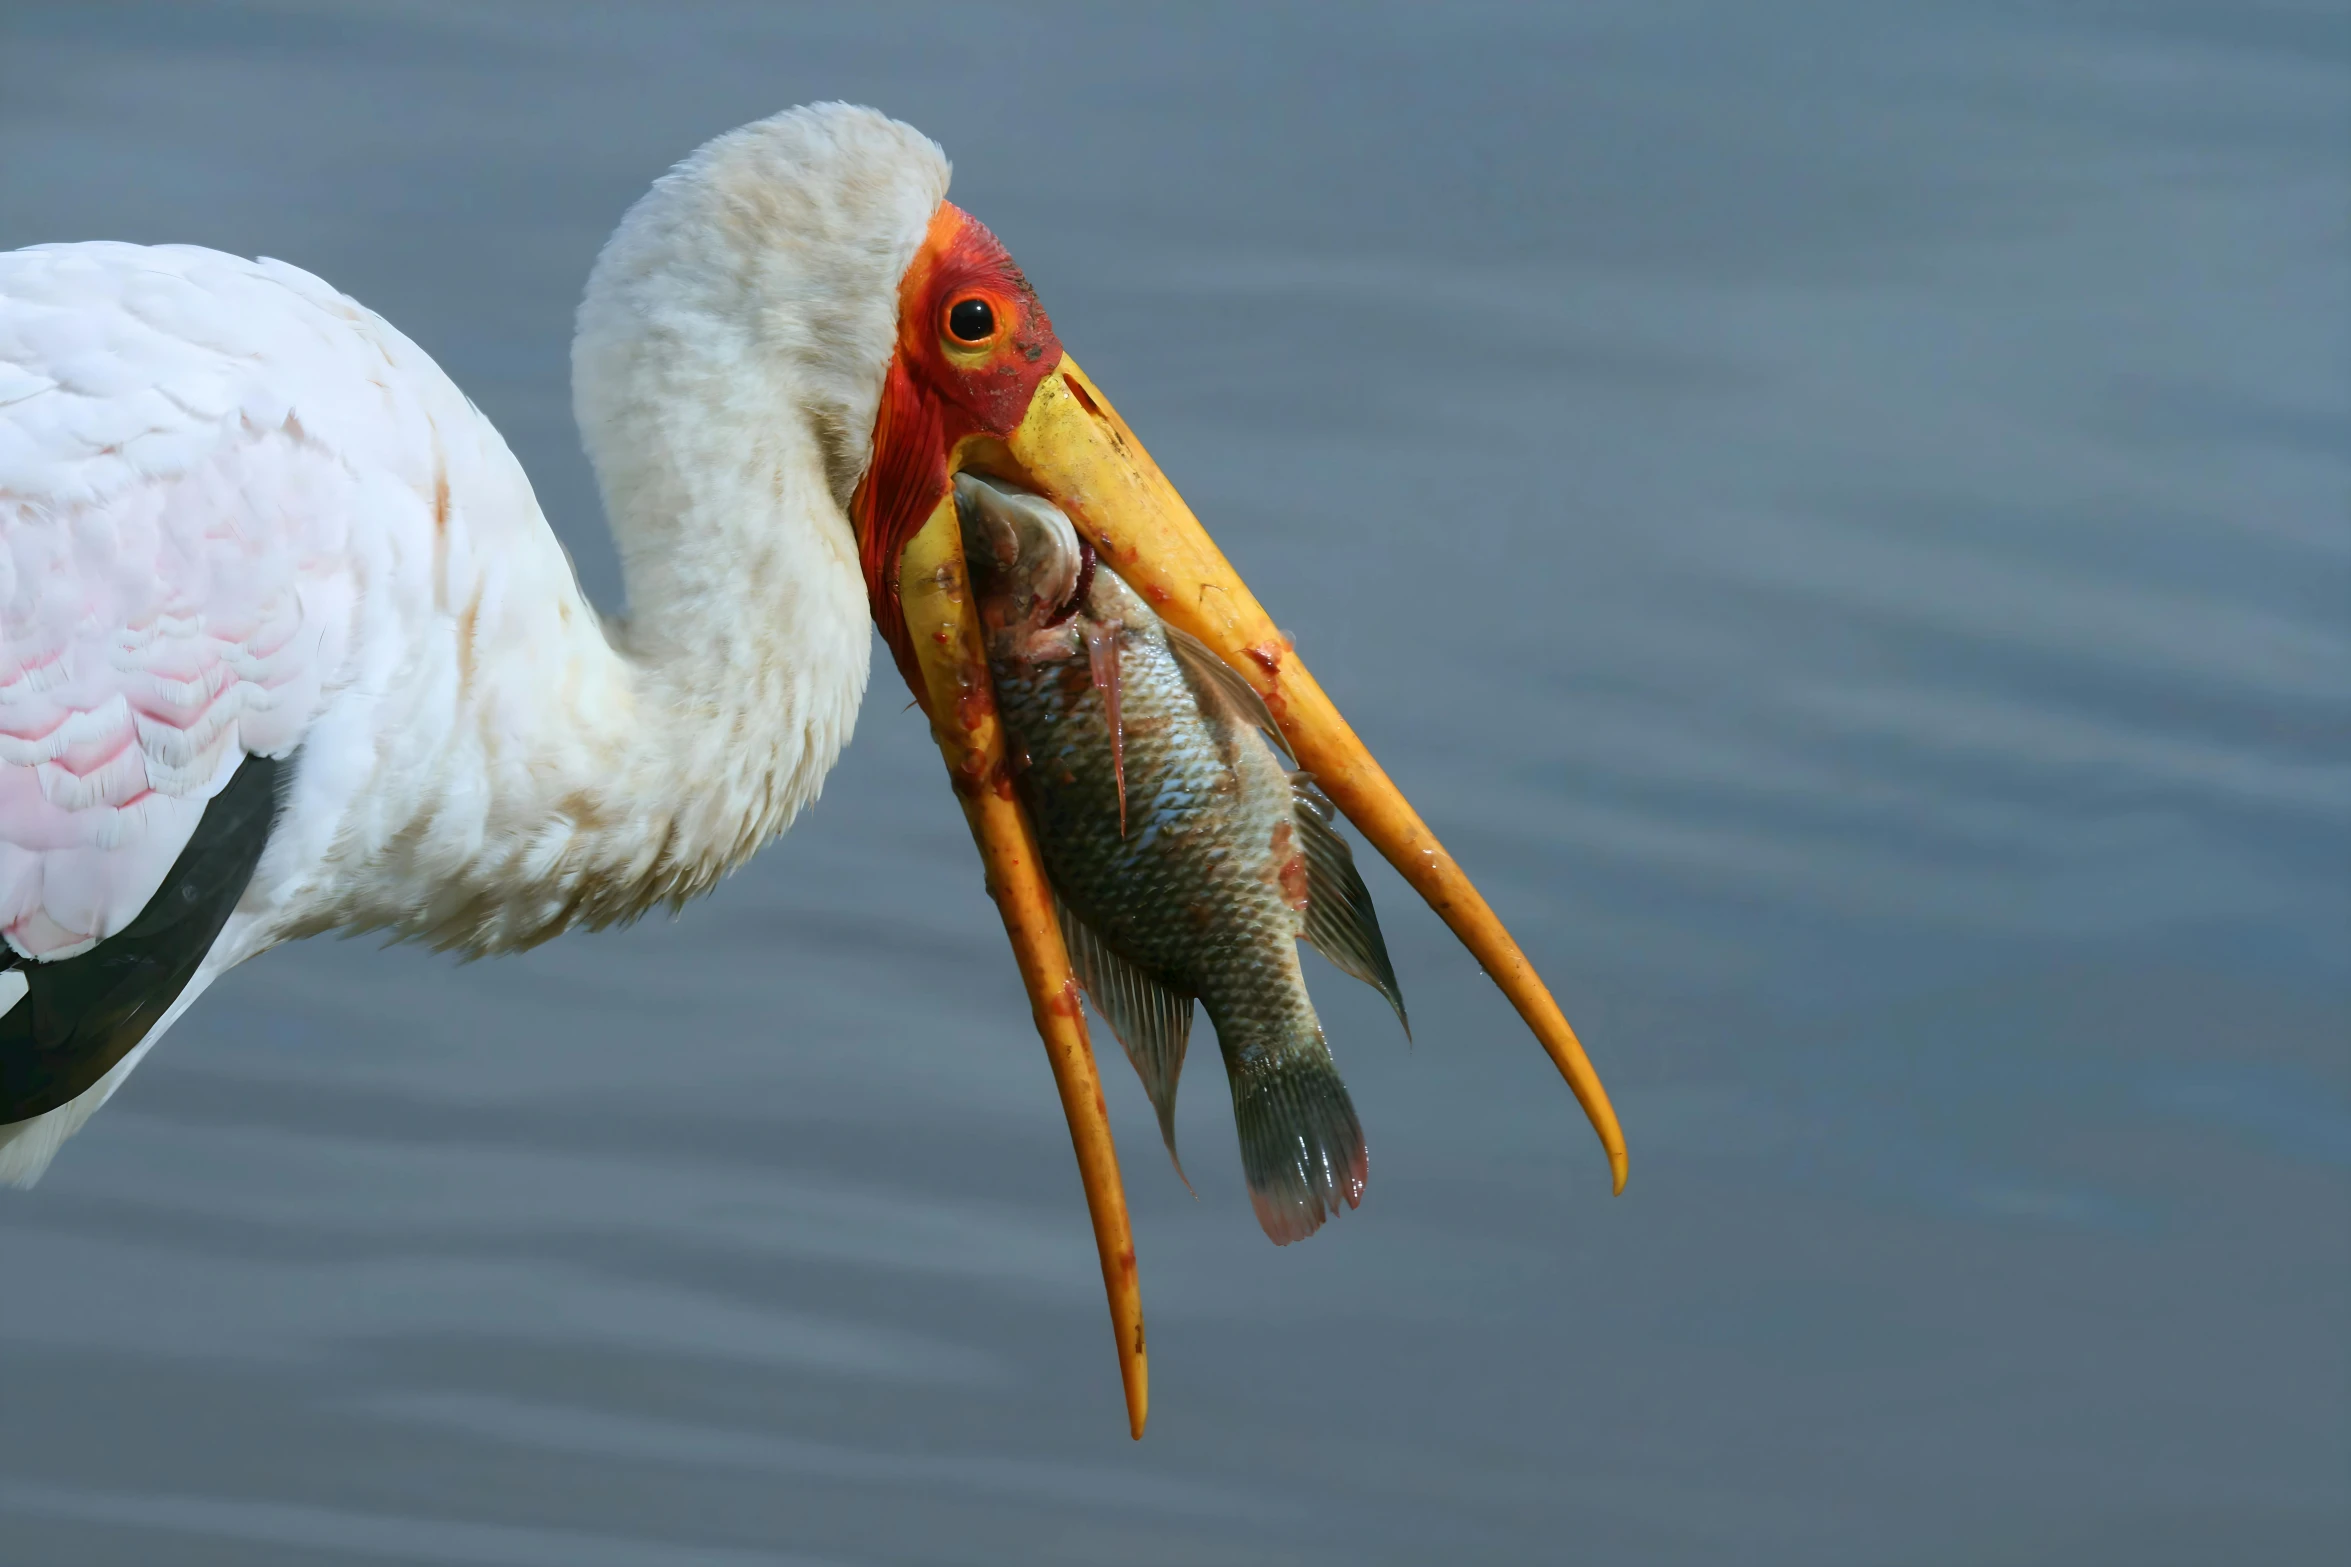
[972, 320]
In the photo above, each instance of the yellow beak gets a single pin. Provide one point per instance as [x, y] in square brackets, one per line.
[1073, 448]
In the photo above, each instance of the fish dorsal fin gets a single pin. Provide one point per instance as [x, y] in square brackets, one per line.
[1199, 660]
[1150, 1020]
[1340, 920]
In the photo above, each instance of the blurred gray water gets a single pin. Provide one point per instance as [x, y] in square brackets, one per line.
[1840, 514]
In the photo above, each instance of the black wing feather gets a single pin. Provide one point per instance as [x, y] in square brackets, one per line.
[80, 1015]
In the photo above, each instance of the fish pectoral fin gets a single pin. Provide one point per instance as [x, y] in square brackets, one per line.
[1210, 673]
[1340, 920]
[1151, 1021]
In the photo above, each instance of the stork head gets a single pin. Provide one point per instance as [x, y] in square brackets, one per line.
[811, 266]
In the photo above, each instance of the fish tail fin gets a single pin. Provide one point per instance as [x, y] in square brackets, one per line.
[1301, 1146]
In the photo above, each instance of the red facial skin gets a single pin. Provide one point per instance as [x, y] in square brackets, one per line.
[940, 391]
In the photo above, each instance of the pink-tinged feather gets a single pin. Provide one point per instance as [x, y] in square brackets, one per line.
[176, 562]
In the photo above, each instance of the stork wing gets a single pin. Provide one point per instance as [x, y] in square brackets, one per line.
[175, 588]
[182, 544]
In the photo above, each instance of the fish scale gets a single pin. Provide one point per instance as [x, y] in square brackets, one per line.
[1195, 877]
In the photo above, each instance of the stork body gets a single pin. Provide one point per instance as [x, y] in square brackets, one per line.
[242, 516]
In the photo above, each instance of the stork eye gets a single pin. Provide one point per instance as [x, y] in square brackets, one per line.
[971, 321]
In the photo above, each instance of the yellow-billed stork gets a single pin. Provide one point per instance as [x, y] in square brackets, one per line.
[286, 645]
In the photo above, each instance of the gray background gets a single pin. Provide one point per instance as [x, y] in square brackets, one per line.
[1838, 514]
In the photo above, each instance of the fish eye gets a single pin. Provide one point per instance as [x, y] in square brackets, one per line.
[971, 321]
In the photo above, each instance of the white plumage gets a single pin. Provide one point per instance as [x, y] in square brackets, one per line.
[242, 515]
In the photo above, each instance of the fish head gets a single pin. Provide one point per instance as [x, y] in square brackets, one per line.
[1024, 558]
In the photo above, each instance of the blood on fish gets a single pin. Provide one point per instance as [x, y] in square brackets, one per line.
[1077, 594]
[1292, 875]
[1102, 661]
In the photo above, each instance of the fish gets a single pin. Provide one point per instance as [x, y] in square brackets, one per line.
[1186, 852]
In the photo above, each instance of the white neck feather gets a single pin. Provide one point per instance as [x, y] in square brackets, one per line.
[727, 368]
